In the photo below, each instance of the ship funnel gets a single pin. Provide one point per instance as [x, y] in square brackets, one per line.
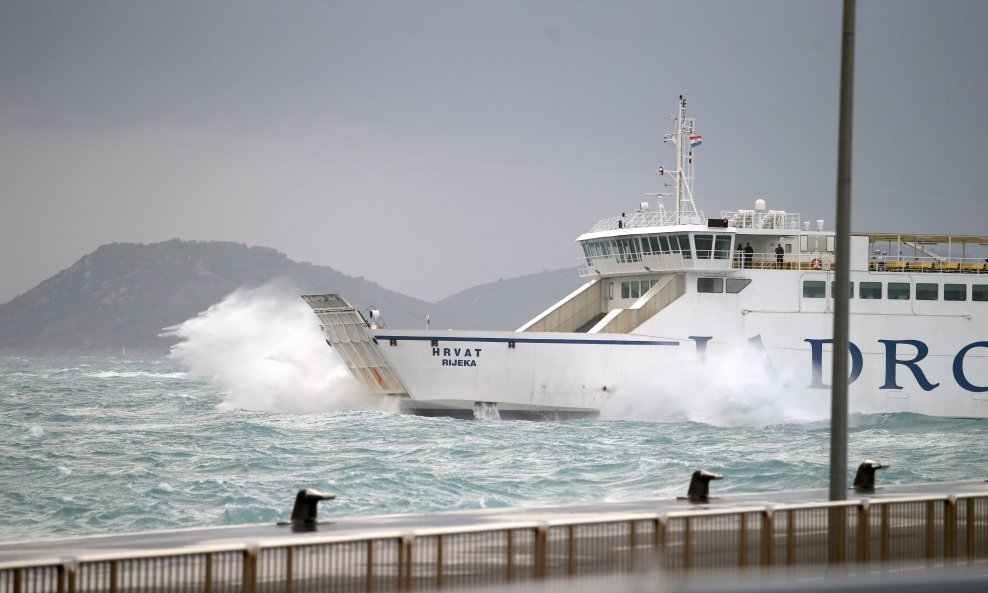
[306, 501]
[864, 480]
[700, 485]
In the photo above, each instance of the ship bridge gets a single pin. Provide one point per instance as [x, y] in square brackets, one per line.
[658, 241]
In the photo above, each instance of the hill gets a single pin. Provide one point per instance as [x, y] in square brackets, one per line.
[507, 304]
[122, 295]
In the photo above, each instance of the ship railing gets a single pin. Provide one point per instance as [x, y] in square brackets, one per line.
[928, 264]
[753, 219]
[770, 260]
[647, 218]
[643, 263]
[877, 534]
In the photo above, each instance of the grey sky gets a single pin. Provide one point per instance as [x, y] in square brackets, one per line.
[430, 146]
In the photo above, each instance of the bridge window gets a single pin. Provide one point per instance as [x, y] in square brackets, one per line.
[684, 245]
[674, 245]
[898, 291]
[927, 291]
[626, 252]
[664, 243]
[979, 292]
[710, 285]
[871, 290]
[722, 247]
[955, 292]
[850, 290]
[704, 246]
[814, 289]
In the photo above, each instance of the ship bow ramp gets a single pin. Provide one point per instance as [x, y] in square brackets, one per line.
[348, 333]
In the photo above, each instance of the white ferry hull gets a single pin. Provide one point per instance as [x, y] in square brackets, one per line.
[523, 374]
[782, 344]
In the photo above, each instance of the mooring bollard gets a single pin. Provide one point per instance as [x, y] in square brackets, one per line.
[306, 507]
[864, 479]
[700, 485]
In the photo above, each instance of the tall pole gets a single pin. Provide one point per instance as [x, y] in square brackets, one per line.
[838, 401]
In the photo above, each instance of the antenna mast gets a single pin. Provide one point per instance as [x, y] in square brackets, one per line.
[685, 207]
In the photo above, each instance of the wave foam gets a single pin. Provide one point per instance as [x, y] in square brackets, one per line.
[739, 389]
[263, 348]
[134, 374]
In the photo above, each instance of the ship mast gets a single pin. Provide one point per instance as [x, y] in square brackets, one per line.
[686, 212]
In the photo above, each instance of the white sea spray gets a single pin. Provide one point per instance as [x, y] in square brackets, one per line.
[741, 388]
[263, 348]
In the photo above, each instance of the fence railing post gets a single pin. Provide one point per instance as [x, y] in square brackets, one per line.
[969, 529]
[632, 546]
[950, 528]
[249, 570]
[886, 528]
[541, 545]
[864, 531]
[289, 561]
[660, 543]
[405, 562]
[369, 577]
[768, 537]
[439, 561]
[790, 537]
[687, 547]
[511, 556]
[208, 576]
[742, 540]
[570, 550]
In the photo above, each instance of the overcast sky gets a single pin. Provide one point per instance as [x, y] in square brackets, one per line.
[431, 146]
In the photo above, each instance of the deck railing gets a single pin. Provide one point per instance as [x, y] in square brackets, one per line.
[648, 218]
[925, 531]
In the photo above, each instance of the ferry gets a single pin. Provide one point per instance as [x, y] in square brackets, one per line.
[748, 291]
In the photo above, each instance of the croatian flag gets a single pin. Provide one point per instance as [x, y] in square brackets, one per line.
[695, 141]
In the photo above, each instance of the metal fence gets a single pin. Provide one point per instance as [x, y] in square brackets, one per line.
[925, 531]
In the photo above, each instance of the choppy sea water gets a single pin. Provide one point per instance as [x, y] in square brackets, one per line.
[232, 425]
[102, 445]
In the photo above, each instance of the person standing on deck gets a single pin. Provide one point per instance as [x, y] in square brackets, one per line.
[779, 255]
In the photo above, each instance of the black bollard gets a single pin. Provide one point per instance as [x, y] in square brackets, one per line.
[700, 485]
[864, 479]
[306, 501]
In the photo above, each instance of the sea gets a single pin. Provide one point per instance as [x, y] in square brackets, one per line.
[251, 405]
